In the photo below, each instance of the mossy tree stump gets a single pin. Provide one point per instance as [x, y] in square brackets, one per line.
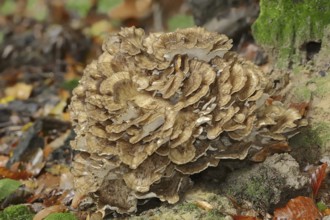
[291, 30]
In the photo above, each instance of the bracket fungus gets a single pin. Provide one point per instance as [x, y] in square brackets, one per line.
[153, 110]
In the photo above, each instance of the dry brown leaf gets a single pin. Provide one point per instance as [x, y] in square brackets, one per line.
[20, 91]
[279, 147]
[3, 160]
[49, 180]
[301, 107]
[298, 208]
[66, 181]
[241, 217]
[317, 178]
[326, 212]
[78, 197]
[47, 211]
[57, 11]
[19, 175]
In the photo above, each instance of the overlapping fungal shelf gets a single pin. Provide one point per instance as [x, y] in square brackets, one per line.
[153, 110]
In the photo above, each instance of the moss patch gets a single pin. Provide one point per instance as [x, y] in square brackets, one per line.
[180, 21]
[16, 212]
[322, 129]
[305, 146]
[61, 216]
[310, 86]
[188, 207]
[284, 26]
[215, 214]
[259, 189]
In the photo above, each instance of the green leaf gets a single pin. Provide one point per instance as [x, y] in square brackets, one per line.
[16, 212]
[61, 216]
[70, 84]
[7, 187]
[321, 206]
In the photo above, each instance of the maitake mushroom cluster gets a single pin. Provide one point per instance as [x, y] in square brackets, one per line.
[153, 110]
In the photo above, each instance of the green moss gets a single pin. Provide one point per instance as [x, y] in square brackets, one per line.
[7, 187]
[303, 93]
[306, 146]
[256, 190]
[322, 88]
[259, 186]
[214, 214]
[1, 37]
[16, 212]
[37, 10]
[306, 138]
[285, 25]
[8, 7]
[188, 207]
[322, 131]
[61, 216]
[322, 85]
[180, 21]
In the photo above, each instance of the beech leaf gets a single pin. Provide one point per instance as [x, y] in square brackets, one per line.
[317, 178]
[298, 208]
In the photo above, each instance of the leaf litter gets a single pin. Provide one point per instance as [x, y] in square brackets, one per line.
[41, 61]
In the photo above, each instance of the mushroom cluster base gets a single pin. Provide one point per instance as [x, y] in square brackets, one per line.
[153, 110]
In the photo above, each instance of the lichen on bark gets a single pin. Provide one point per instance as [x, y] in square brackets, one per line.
[285, 27]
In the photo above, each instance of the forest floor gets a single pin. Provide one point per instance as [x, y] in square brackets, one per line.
[42, 57]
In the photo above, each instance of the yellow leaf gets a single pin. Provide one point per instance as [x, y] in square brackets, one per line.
[58, 109]
[20, 91]
[27, 126]
[7, 99]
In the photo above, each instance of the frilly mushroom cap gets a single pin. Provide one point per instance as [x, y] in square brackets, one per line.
[153, 110]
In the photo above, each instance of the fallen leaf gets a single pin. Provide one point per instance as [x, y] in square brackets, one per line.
[55, 197]
[66, 181]
[131, 9]
[298, 208]
[7, 99]
[20, 91]
[49, 180]
[7, 187]
[27, 126]
[78, 197]
[100, 27]
[58, 109]
[3, 160]
[204, 205]
[241, 217]
[266, 151]
[58, 12]
[317, 178]
[55, 144]
[47, 211]
[301, 107]
[326, 212]
[20, 175]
